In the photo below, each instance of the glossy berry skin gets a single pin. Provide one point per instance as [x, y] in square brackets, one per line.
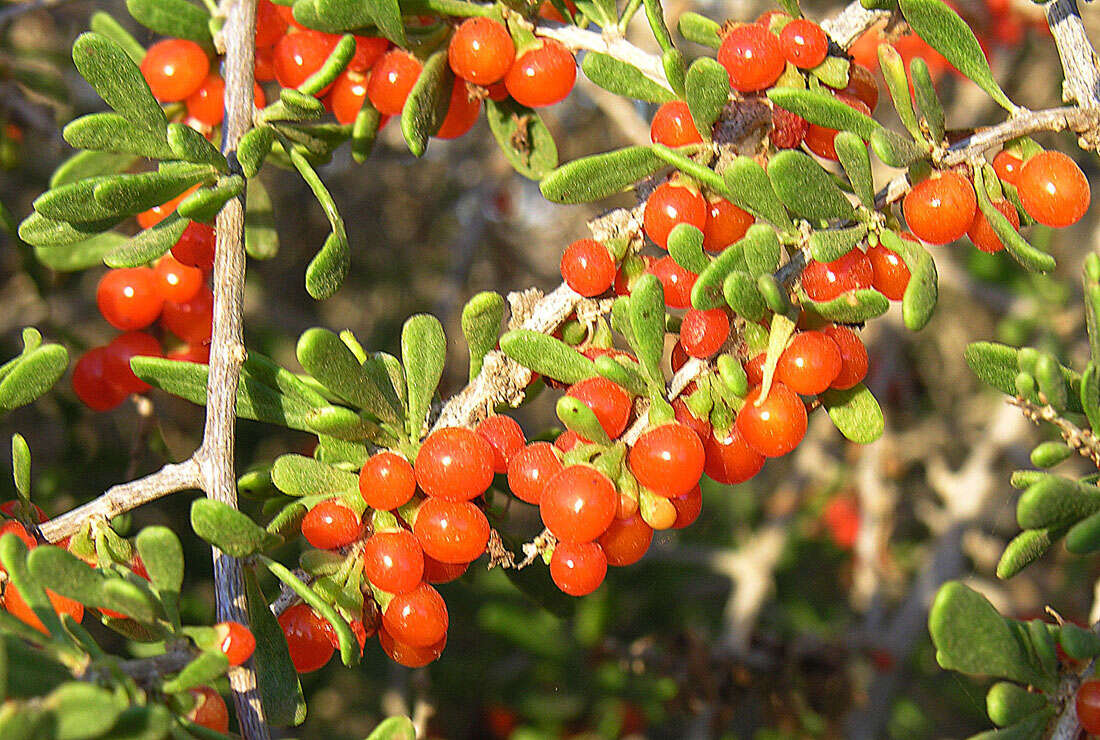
[235, 641]
[175, 280]
[578, 568]
[608, 401]
[626, 540]
[567, 440]
[673, 126]
[1053, 190]
[454, 464]
[393, 561]
[19, 531]
[156, 214]
[776, 426]
[174, 68]
[330, 524]
[437, 572]
[542, 75]
[667, 459]
[1087, 704]
[852, 353]
[451, 531]
[407, 655]
[824, 281]
[701, 427]
[809, 364]
[821, 140]
[368, 50]
[387, 481]
[703, 333]
[688, 507]
[210, 710]
[481, 51]
[18, 608]
[578, 504]
[660, 513]
[207, 103]
[391, 80]
[669, 205]
[190, 320]
[726, 223]
[299, 55]
[306, 637]
[676, 282]
[195, 247]
[752, 56]
[504, 436]
[417, 618]
[93, 384]
[981, 232]
[587, 267]
[940, 208]
[347, 96]
[530, 469]
[730, 460]
[128, 298]
[270, 26]
[120, 351]
[788, 129]
[889, 273]
[461, 113]
[804, 44]
[1007, 166]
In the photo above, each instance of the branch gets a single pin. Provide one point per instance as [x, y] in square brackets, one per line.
[1082, 440]
[1079, 62]
[611, 44]
[851, 23]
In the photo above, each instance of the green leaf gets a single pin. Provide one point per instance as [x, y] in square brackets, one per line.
[280, 689]
[344, 14]
[147, 245]
[82, 710]
[228, 529]
[1079, 643]
[349, 645]
[579, 418]
[855, 412]
[118, 80]
[939, 25]
[752, 190]
[834, 72]
[547, 356]
[75, 202]
[330, 361]
[105, 25]
[523, 138]
[623, 79]
[922, 292]
[35, 373]
[1031, 258]
[79, 256]
[806, 189]
[994, 364]
[329, 267]
[592, 178]
[832, 244]
[852, 307]
[707, 88]
[13, 556]
[191, 146]
[387, 17]
[364, 130]
[897, 84]
[624, 372]
[204, 204]
[90, 164]
[175, 18]
[114, 133]
[21, 466]
[675, 68]
[204, 669]
[68, 575]
[47, 233]
[1006, 703]
[481, 318]
[393, 728]
[261, 237]
[743, 296]
[1090, 394]
[700, 29]
[655, 14]
[707, 291]
[823, 109]
[1084, 537]
[162, 555]
[337, 60]
[149, 722]
[927, 99]
[297, 475]
[685, 246]
[857, 165]
[427, 104]
[423, 352]
[254, 148]
[647, 327]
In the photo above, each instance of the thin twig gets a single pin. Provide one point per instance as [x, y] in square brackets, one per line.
[1082, 440]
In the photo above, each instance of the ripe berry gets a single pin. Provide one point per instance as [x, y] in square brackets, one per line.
[530, 469]
[578, 568]
[673, 126]
[669, 205]
[391, 80]
[368, 50]
[981, 232]
[841, 518]
[407, 655]
[195, 247]
[542, 75]
[120, 351]
[299, 55]
[270, 26]
[1053, 189]
[209, 710]
[128, 298]
[567, 440]
[821, 140]
[451, 531]
[776, 426]
[175, 280]
[703, 333]
[730, 460]
[1087, 704]
[347, 96]
[726, 223]
[19, 531]
[752, 56]
[504, 436]
[156, 214]
[588, 267]
[481, 51]
[417, 618]
[701, 427]
[15, 509]
[862, 86]
[804, 44]
[754, 369]
[1007, 166]
[235, 641]
[626, 540]
[853, 354]
[608, 401]
[890, 274]
[688, 507]
[454, 464]
[264, 67]
[393, 561]
[197, 353]
[824, 281]
[940, 208]
[578, 504]
[676, 282]
[190, 320]
[93, 384]
[18, 608]
[174, 68]
[387, 481]
[461, 113]
[788, 129]
[330, 524]
[668, 459]
[809, 364]
[437, 572]
[305, 634]
[207, 104]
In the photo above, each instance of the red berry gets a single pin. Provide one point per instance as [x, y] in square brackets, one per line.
[626, 540]
[688, 507]
[726, 223]
[841, 518]
[368, 50]
[679, 356]
[853, 354]
[437, 572]
[93, 384]
[981, 232]
[14, 509]
[331, 524]
[578, 568]
[730, 460]
[890, 274]
[588, 267]
[542, 75]
[676, 282]
[754, 369]
[407, 655]
[306, 638]
[1007, 166]
[776, 426]
[393, 561]
[673, 126]
[264, 67]
[174, 68]
[347, 96]
[821, 140]
[270, 26]
[567, 440]
[117, 360]
[578, 504]
[175, 280]
[199, 354]
[207, 103]
[299, 55]
[196, 247]
[235, 641]
[19, 531]
[788, 129]
[752, 56]
[128, 298]
[210, 710]
[701, 427]
[190, 320]
[481, 51]
[824, 281]
[530, 469]
[417, 618]
[1053, 189]
[18, 608]
[387, 481]
[156, 214]
[809, 364]
[451, 531]
[391, 81]
[461, 113]
[504, 437]
[804, 44]
[454, 464]
[862, 85]
[608, 401]
[703, 333]
[1087, 704]
[669, 205]
[668, 459]
[940, 208]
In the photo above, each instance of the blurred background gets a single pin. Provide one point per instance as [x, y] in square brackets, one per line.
[793, 608]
